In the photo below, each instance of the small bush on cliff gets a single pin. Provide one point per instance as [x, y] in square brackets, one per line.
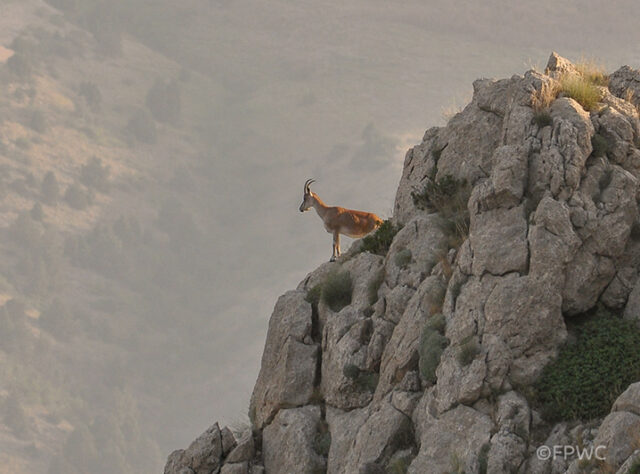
[363, 379]
[448, 197]
[337, 290]
[591, 372]
[403, 258]
[468, 351]
[432, 344]
[380, 241]
[635, 467]
[599, 145]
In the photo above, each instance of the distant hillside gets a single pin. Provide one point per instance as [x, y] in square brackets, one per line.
[103, 269]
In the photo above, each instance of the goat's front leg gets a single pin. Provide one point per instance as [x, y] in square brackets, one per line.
[336, 246]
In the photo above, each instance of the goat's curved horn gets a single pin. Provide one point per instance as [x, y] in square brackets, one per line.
[307, 184]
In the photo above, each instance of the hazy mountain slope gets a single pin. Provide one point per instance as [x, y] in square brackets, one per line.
[105, 263]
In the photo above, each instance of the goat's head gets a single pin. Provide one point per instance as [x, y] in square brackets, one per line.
[307, 199]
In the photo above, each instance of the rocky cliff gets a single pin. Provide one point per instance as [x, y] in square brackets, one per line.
[431, 364]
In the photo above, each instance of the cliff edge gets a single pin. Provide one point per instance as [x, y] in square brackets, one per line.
[430, 347]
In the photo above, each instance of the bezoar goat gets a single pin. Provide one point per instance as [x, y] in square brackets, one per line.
[338, 220]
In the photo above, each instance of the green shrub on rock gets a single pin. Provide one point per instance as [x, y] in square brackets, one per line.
[432, 345]
[337, 290]
[363, 379]
[590, 373]
[380, 241]
[467, 351]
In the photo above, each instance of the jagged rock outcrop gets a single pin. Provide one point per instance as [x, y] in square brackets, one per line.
[289, 362]
[553, 232]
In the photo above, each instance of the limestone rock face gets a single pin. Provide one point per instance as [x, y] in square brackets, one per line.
[243, 451]
[203, 455]
[345, 344]
[288, 365]
[385, 431]
[344, 427]
[430, 366]
[559, 65]
[509, 444]
[451, 441]
[288, 441]
[623, 80]
[424, 238]
[401, 353]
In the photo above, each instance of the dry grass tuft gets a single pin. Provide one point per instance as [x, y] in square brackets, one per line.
[592, 72]
[586, 93]
[541, 99]
[584, 87]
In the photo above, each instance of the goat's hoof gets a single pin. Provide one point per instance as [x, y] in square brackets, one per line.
[332, 259]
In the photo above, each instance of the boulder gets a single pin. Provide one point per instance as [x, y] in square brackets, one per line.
[343, 426]
[619, 432]
[470, 139]
[203, 456]
[629, 400]
[424, 238]
[419, 163]
[401, 353]
[523, 313]
[244, 450]
[450, 442]
[508, 447]
[557, 65]
[288, 367]
[498, 241]
[287, 443]
[345, 338]
[623, 80]
[235, 468]
[385, 431]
